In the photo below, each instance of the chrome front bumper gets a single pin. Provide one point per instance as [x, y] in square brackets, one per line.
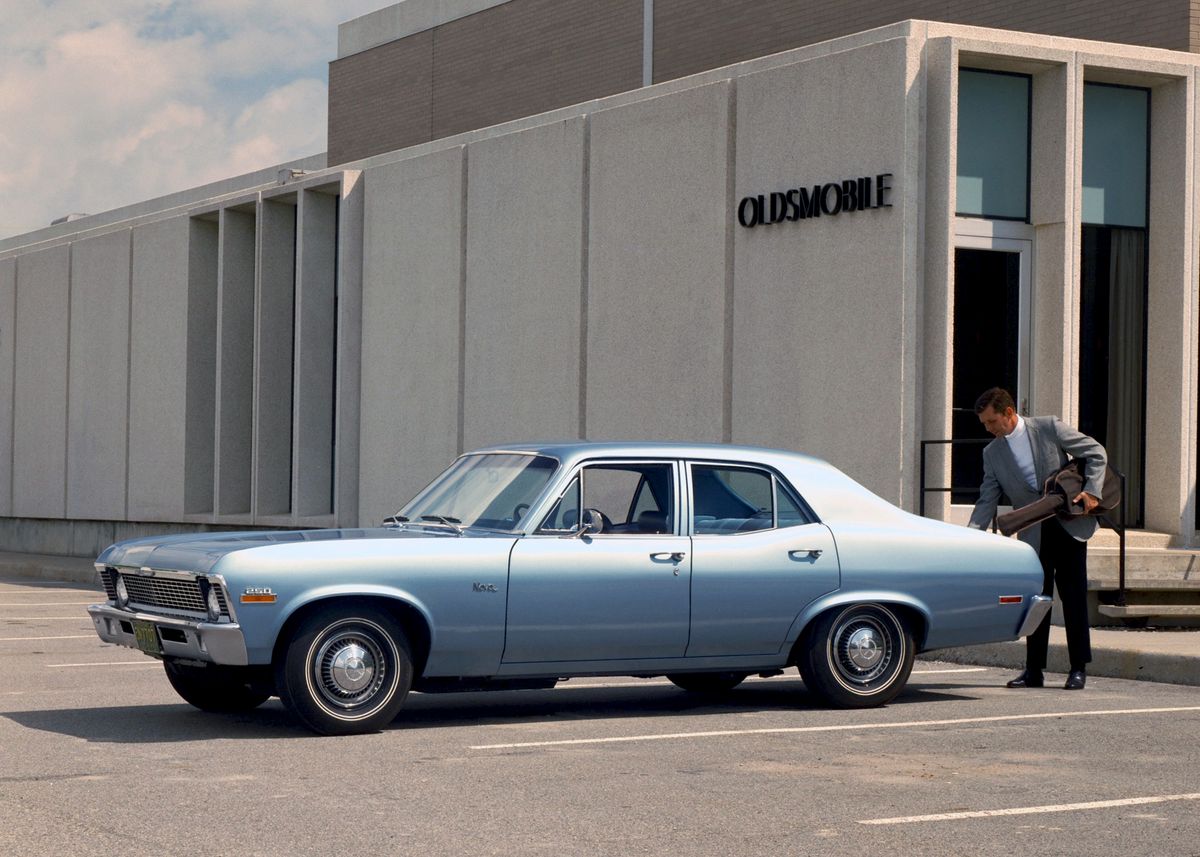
[218, 643]
[1039, 606]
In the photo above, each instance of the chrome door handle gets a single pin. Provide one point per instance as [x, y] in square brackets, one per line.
[674, 556]
[805, 553]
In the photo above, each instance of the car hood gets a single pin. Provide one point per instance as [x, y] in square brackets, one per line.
[199, 552]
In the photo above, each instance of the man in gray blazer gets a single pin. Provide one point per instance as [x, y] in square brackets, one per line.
[1025, 452]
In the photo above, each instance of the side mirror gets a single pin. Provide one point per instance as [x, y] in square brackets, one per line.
[590, 523]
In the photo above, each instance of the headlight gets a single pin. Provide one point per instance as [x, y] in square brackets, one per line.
[211, 603]
[122, 592]
[214, 604]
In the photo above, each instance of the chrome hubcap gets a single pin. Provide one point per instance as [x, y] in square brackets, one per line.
[352, 668]
[863, 648]
[349, 668]
[863, 651]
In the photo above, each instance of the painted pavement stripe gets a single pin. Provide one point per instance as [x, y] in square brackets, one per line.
[141, 663]
[847, 727]
[1031, 810]
[74, 637]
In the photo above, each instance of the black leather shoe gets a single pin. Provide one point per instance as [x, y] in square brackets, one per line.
[1029, 678]
[1076, 680]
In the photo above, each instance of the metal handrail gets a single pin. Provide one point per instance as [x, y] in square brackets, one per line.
[1117, 526]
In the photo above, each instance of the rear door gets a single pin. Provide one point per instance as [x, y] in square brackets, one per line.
[758, 558]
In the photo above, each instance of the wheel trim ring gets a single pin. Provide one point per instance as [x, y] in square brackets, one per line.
[885, 629]
[377, 693]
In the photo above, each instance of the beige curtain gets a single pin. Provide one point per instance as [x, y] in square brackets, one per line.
[1126, 355]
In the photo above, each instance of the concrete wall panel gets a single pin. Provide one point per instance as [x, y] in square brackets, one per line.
[411, 335]
[657, 268]
[821, 354]
[200, 439]
[8, 330]
[524, 257]
[99, 377]
[274, 353]
[235, 361]
[40, 391]
[158, 370]
[316, 329]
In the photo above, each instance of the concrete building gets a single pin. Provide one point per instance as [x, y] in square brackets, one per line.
[833, 248]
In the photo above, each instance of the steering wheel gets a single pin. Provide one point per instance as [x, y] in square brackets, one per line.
[519, 511]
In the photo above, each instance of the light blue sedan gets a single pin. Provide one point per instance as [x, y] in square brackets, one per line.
[524, 565]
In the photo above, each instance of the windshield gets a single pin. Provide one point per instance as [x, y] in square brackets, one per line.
[493, 491]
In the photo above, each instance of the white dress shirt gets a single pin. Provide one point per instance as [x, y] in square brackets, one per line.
[1021, 446]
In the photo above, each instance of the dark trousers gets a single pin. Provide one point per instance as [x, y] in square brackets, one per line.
[1064, 562]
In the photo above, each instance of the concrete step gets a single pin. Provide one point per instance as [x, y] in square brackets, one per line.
[1158, 611]
[1106, 538]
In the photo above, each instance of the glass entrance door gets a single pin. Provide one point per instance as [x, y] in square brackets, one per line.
[990, 342]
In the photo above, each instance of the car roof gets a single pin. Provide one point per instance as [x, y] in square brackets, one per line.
[831, 493]
[569, 451]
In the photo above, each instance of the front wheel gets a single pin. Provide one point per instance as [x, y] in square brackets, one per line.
[219, 688]
[707, 682]
[346, 670]
[858, 656]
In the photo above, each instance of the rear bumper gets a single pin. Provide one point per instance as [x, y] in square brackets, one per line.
[218, 643]
[1039, 606]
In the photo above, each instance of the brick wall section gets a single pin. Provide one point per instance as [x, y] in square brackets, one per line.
[381, 99]
[529, 56]
[690, 37]
[517, 59]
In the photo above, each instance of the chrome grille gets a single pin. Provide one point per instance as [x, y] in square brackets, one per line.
[165, 594]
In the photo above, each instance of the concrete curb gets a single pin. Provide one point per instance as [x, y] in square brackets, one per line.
[1109, 662]
[59, 569]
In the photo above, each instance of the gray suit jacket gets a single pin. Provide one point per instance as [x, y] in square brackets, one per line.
[1052, 441]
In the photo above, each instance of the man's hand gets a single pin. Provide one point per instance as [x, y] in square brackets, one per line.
[1087, 500]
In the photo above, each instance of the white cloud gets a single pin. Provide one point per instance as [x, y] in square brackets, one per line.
[108, 102]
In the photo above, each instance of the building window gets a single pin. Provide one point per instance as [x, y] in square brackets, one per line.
[1116, 134]
[1113, 259]
[993, 145]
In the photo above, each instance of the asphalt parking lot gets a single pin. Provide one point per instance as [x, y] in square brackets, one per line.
[98, 756]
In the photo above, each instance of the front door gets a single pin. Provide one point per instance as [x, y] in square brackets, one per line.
[991, 341]
[620, 594]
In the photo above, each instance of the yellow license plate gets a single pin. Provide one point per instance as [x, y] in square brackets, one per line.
[146, 636]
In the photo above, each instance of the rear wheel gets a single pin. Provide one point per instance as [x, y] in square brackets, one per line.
[707, 682]
[858, 656]
[346, 670]
[219, 688]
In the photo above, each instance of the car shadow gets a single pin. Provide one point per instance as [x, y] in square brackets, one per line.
[153, 724]
[588, 702]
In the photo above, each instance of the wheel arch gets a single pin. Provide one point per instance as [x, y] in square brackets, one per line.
[914, 612]
[413, 620]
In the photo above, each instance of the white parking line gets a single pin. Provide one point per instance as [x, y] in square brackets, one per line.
[43, 618]
[142, 663]
[23, 639]
[846, 727]
[46, 603]
[963, 670]
[1031, 810]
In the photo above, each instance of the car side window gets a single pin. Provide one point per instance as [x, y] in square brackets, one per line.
[564, 516]
[631, 498]
[731, 499]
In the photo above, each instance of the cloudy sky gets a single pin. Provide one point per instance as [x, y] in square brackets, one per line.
[109, 102]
